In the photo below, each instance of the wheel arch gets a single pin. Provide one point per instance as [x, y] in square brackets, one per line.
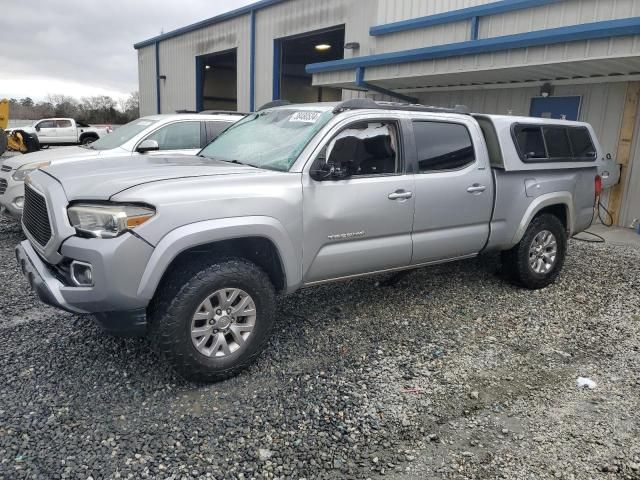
[262, 240]
[559, 204]
[88, 135]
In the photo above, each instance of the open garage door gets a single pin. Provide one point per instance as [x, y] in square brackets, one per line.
[218, 81]
[291, 81]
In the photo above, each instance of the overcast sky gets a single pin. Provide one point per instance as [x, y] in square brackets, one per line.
[85, 47]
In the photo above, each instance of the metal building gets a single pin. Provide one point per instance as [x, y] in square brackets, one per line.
[574, 59]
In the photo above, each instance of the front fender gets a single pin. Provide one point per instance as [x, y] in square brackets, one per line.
[539, 203]
[202, 233]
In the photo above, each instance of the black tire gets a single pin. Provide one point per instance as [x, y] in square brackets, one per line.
[87, 139]
[516, 261]
[3, 142]
[31, 142]
[177, 301]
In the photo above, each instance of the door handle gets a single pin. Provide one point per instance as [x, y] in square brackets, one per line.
[476, 188]
[400, 195]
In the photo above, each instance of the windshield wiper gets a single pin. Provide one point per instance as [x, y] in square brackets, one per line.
[234, 161]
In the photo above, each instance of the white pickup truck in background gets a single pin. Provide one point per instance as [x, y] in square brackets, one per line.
[64, 131]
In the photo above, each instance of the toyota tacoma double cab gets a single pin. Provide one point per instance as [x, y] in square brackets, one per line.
[65, 131]
[192, 251]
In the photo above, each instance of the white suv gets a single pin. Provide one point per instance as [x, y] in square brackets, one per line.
[173, 134]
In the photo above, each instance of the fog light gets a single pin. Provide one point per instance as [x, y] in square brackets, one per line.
[19, 202]
[82, 274]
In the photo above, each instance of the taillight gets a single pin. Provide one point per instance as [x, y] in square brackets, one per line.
[598, 185]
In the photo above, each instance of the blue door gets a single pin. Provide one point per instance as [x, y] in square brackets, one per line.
[560, 108]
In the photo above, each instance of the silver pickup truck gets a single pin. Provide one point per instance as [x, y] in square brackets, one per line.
[192, 250]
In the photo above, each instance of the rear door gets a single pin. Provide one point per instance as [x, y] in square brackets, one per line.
[66, 131]
[453, 193]
[213, 129]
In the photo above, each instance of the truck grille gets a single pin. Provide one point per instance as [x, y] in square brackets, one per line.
[3, 186]
[35, 216]
[5, 168]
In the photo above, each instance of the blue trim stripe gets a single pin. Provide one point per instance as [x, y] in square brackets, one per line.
[252, 63]
[208, 22]
[494, 8]
[158, 110]
[587, 31]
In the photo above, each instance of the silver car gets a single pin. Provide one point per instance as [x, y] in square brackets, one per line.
[184, 134]
[192, 251]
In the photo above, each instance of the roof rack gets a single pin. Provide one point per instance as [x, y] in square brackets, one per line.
[221, 112]
[274, 104]
[368, 104]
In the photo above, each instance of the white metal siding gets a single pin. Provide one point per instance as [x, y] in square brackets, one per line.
[147, 79]
[569, 12]
[178, 62]
[301, 16]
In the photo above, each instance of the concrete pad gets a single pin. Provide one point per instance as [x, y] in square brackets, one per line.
[615, 235]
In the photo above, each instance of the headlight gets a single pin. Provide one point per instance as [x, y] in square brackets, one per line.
[21, 173]
[107, 221]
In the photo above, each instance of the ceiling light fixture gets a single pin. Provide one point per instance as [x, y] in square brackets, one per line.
[323, 47]
[207, 67]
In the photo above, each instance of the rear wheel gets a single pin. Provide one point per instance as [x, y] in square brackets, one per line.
[538, 259]
[87, 139]
[211, 323]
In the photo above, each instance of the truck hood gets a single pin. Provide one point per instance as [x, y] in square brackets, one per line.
[52, 155]
[100, 179]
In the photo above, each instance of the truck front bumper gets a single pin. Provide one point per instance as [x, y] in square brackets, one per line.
[112, 299]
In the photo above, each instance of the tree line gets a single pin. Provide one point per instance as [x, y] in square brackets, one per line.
[100, 109]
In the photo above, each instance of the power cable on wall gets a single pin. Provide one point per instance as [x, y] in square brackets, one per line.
[599, 208]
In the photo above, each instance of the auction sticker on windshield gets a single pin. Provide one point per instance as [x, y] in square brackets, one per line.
[305, 117]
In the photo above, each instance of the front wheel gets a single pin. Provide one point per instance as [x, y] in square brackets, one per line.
[211, 324]
[537, 260]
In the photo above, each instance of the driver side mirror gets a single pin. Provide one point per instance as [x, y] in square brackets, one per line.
[148, 146]
[339, 166]
[38, 128]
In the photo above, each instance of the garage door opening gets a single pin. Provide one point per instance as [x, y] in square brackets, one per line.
[291, 81]
[218, 81]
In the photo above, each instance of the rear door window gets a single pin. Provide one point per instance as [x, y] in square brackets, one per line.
[63, 123]
[213, 129]
[557, 141]
[443, 146]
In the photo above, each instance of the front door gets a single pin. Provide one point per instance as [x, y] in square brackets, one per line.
[454, 192]
[46, 131]
[177, 138]
[362, 223]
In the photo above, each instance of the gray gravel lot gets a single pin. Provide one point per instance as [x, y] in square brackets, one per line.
[451, 373]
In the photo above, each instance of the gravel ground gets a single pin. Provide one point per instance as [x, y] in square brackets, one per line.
[450, 373]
